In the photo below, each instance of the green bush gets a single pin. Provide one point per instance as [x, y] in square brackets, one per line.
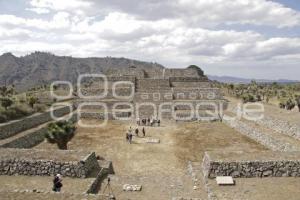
[3, 118]
[6, 102]
[248, 98]
[40, 107]
[15, 112]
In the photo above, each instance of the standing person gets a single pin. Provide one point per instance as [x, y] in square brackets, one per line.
[130, 138]
[158, 122]
[57, 185]
[144, 132]
[137, 131]
[127, 137]
[148, 121]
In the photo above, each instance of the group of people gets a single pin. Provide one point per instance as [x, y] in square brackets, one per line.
[129, 133]
[148, 122]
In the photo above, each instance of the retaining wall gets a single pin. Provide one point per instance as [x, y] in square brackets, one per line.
[247, 165]
[96, 184]
[281, 126]
[35, 137]
[12, 128]
[37, 162]
[274, 144]
[189, 84]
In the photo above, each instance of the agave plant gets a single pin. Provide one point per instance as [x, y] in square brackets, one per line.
[60, 133]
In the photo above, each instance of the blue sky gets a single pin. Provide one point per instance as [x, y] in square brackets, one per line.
[244, 38]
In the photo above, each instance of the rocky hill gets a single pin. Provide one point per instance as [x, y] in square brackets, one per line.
[42, 68]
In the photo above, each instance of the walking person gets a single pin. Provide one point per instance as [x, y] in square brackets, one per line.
[130, 138]
[144, 132]
[127, 137]
[137, 131]
[57, 185]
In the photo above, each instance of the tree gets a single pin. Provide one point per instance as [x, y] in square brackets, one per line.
[6, 102]
[32, 100]
[230, 88]
[297, 98]
[60, 133]
[290, 105]
[3, 90]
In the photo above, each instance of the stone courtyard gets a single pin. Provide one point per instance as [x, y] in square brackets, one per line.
[179, 159]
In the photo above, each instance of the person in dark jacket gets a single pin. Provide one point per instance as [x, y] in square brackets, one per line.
[144, 132]
[57, 185]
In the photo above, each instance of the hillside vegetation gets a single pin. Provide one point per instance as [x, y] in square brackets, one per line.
[286, 96]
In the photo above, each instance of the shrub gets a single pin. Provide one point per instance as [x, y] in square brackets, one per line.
[6, 102]
[290, 104]
[40, 107]
[15, 112]
[3, 118]
[60, 133]
[298, 101]
[248, 98]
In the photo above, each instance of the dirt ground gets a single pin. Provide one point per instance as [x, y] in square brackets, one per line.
[161, 168]
[43, 183]
[278, 188]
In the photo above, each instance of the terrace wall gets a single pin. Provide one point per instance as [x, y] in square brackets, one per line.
[246, 165]
[35, 162]
[12, 128]
[33, 138]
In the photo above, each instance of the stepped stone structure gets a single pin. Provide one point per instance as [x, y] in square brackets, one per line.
[181, 94]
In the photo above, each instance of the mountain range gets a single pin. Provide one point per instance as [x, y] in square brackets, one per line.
[41, 68]
[235, 80]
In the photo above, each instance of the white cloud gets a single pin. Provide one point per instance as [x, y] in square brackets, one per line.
[39, 10]
[257, 12]
[208, 13]
[61, 5]
[185, 33]
[60, 20]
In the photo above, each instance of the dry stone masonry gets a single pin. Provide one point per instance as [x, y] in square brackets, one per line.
[13, 127]
[257, 164]
[34, 162]
[156, 87]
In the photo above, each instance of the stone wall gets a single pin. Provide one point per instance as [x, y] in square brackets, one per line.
[281, 126]
[274, 144]
[108, 116]
[197, 93]
[12, 128]
[135, 72]
[119, 93]
[121, 78]
[33, 138]
[153, 83]
[189, 84]
[180, 73]
[256, 164]
[37, 162]
[96, 184]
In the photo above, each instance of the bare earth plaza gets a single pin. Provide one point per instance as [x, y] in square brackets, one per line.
[154, 134]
